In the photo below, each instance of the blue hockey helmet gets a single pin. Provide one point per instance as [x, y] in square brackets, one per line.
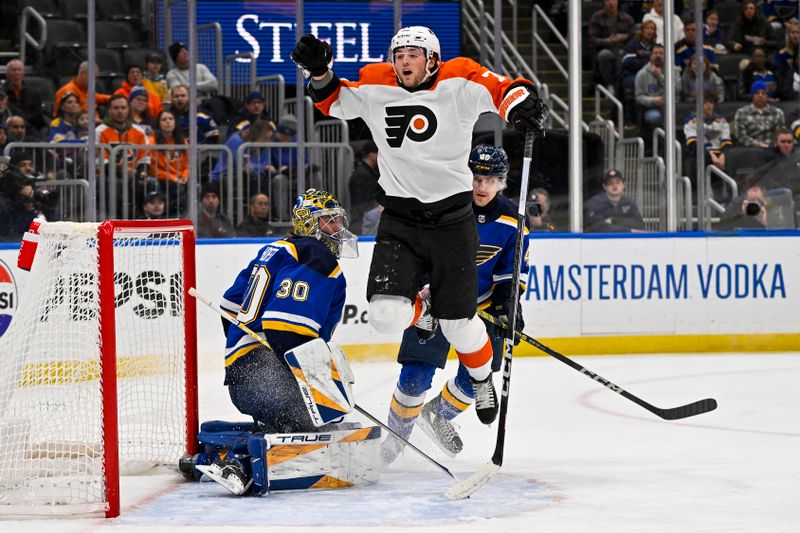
[488, 160]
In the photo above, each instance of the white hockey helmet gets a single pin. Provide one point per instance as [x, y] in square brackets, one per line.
[418, 36]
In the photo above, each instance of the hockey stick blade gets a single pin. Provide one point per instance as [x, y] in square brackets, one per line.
[675, 413]
[463, 489]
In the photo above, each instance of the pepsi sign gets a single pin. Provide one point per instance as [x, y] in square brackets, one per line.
[8, 297]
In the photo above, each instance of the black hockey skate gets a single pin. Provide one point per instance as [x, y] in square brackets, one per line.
[426, 324]
[486, 404]
[439, 429]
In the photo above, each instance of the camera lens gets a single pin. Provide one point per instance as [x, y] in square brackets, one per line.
[752, 209]
[535, 209]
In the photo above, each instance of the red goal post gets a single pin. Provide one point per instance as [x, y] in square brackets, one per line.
[100, 376]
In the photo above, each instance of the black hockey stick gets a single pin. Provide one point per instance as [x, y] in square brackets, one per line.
[235, 322]
[674, 413]
[477, 480]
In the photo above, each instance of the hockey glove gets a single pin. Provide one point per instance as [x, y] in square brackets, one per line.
[502, 311]
[313, 55]
[529, 113]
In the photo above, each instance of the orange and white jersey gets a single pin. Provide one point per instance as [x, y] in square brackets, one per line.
[423, 136]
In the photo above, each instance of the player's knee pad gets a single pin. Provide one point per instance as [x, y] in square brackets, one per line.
[390, 314]
[416, 378]
[467, 335]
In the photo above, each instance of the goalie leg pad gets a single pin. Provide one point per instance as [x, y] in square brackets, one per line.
[257, 447]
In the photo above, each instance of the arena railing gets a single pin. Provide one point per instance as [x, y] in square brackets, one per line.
[25, 37]
[270, 168]
[605, 129]
[239, 76]
[601, 93]
[712, 171]
[127, 190]
[273, 89]
[651, 187]
[290, 107]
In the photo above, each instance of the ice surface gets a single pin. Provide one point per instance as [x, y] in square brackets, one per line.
[578, 458]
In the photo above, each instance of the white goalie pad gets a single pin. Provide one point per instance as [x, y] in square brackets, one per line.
[325, 379]
[328, 460]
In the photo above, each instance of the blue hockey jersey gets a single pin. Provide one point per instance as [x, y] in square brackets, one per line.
[292, 292]
[497, 229]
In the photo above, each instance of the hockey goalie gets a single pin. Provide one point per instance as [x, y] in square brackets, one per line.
[282, 370]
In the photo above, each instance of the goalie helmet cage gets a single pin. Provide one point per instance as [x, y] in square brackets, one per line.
[99, 374]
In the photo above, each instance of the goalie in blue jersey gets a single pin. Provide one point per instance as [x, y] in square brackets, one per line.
[291, 293]
[496, 217]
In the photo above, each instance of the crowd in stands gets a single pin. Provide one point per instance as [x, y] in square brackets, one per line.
[750, 82]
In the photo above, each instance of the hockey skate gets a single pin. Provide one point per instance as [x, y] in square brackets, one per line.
[439, 429]
[229, 474]
[426, 324]
[486, 404]
[391, 448]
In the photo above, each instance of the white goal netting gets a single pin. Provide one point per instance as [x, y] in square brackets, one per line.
[56, 407]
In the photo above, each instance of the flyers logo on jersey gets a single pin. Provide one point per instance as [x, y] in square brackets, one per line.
[8, 297]
[416, 122]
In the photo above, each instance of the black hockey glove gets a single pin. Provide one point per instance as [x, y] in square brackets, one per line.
[312, 55]
[502, 310]
[530, 114]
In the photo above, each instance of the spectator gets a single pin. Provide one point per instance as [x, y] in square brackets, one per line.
[154, 207]
[712, 83]
[5, 109]
[253, 109]
[65, 127]
[657, 16]
[684, 49]
[140, 110]
[755, 124]
[363, 185]
[133, 80]
[650, 89]
[611, 211]
[259, 132]
[18, 207]
[637, 55]
[713, 35]
[256, 223]
[786, 61]
[18, 131]
[748, 211]
[780, 13]
[179, 74]
[750, 30]
[116, 129]
[609, 30]
[369, 224]
[538, 210]
[211, 223]
[784, 142]
[716, 133]
[757, 70]
[153, 80]
[79, 85]
[21, 99]
[170, 167]
[207, 131]
[3, 137]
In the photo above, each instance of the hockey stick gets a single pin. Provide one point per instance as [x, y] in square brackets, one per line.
[478, 479]
[674, 413]
[237, 323]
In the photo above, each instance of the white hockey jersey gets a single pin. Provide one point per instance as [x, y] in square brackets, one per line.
[424, 136]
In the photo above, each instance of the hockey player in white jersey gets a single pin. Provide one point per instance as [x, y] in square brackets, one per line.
[496, 218]
[421, 111]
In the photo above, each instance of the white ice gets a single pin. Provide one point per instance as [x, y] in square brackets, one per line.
[578, 458]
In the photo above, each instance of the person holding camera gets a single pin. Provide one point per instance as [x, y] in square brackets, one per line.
[19, 204]
[747, 212]
[538, 210]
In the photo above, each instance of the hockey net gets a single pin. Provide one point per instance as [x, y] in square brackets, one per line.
[99, 366]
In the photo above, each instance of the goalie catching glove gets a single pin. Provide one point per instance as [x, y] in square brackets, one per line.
[313, 55]
[523, 108]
